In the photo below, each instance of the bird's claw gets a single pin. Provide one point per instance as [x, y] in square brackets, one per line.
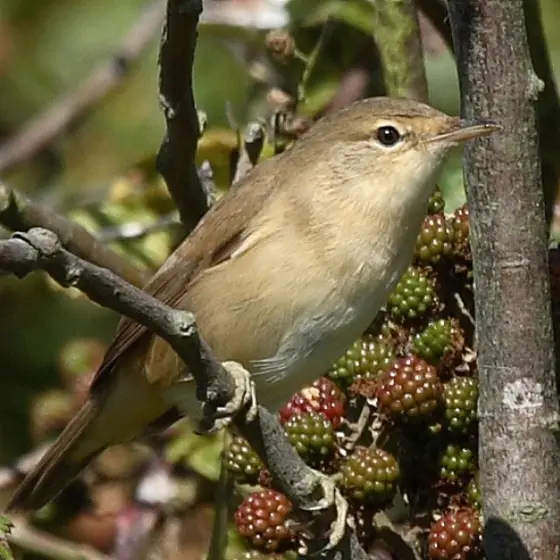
[244, 399]
[332, 498]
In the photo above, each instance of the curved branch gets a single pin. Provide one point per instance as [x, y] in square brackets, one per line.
[20, 214]
[40, 249]
[176, 157]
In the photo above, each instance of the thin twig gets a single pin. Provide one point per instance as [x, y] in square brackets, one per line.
[311, 61]
[223, 501]
[176, 157]
[206, 174]
[20, 214]
[47, 126]
[42, 544]
[135, 230]
[250, 147]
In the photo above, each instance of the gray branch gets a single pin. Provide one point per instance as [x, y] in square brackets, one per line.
[40, 249]
[519, 418]
[176, 157]
[18, 213]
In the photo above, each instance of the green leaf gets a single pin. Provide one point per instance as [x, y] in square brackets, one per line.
[200, 453]
[5, 529]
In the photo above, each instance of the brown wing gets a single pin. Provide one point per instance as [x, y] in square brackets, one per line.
[212, 241]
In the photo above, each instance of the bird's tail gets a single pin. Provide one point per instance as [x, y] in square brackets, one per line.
[62, 463]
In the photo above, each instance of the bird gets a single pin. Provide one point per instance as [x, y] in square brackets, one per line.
[282, 274]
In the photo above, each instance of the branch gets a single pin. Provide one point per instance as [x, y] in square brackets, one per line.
[176, 157]
[41, 249]
[250, 145]
[397, 36]
[44, 545]
[20, 214]
[518, 404]
[44, 128]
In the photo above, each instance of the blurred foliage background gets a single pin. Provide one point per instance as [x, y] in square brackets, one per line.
[100, 170]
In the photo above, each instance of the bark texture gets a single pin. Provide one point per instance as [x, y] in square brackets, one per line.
[519, 453]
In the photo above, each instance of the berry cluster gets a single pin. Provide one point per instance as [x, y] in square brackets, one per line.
[415, 371]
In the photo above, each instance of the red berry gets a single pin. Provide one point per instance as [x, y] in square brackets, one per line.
[323, 396]
[455, 536]
[411, 388]
[261, 519]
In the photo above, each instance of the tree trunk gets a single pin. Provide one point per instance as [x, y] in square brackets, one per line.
[519, 453]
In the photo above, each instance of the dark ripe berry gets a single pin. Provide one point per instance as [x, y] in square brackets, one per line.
[369, 476]
[441, 342]
[456, 536]
[461, 401]
[437, 202]
[242, 461]
[323, 396]
[261, 519]
[413, 296]
[456, 463]
[409, 389]
[366, 358]
[435, 240]
[313, 437]
[473, 492]
[459, 224]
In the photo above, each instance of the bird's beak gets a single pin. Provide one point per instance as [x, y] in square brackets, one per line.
[462, 130]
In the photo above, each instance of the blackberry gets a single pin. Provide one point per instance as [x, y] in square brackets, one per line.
[261, 519]
[459, 224]
[435, 240]
[242, 461]
[440, 342]
[369, 476]
[473, 491]
[414, 295]
[313, 437]
[366, 358]
[461, 400]
[437, 202]
[323, 396]
[456, 463]
[455, 536]
[410, 389]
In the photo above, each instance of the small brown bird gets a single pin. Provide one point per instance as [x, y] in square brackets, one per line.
[282, 274]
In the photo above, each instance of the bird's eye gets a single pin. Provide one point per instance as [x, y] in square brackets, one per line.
[388, 135]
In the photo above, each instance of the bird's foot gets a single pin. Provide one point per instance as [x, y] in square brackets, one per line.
[332, 500]
[244, 401]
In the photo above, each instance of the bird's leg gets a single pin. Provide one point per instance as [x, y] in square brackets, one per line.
[244, 400]
[182, 394]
